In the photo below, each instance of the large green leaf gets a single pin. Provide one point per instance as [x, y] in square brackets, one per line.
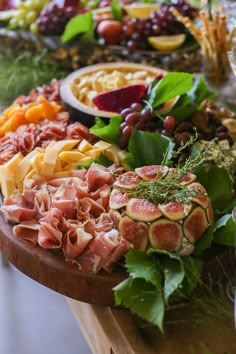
[218, 184]
[223, 231]
[172, 85]
[141, 298]
[200, 91]
[110, 132]
[226, 234]
[80, 24]
[148, 149]
[141, 265]
[173, 270]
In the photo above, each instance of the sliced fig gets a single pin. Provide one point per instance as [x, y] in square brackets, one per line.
[142, 210]
[210, 214]
[117, 100]
[195, 224]
[151, 172]
[165, 235]
[118, 199]
[201, 199]
[127, 180]
[175, 210]
[186, 179]
[135, 232]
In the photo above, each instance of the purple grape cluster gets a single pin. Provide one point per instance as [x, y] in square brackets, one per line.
[54, 17]
[137, 117]
[135, 31]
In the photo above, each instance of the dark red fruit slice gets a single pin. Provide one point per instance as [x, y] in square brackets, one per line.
[166, 235]
[210, 214]
[201, 199]
[195, 224]
[151, 172]
[127, 180]
[135, 232]
[117, 100]
[175, 210]
[118, 199]
[142, 210]
[187, 179]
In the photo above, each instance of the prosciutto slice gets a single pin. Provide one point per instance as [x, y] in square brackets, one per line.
[99, 252]
[75, 242]
[72, 215]
[27, 230]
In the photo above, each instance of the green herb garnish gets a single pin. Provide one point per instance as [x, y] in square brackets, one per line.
[165, 189]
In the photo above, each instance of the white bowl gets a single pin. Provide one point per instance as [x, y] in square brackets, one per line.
[86, 112]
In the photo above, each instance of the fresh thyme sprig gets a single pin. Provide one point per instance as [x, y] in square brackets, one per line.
[165, 189]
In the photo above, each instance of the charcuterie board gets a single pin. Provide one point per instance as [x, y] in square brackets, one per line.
[50, 269]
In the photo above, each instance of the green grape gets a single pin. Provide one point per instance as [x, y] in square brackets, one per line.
[30, 17]
[20, 14]
[34, 28]
[13, 23]
[29, 5]
[22, 24]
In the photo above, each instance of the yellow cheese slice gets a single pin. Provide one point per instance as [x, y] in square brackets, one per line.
[94, 153]
[112, 153]
[7, 182]
[49, 161]
[25, 165]
[84, 146]
[37, 164]
[13, 163]
[101, 144]
[71, 156]
[65, 145]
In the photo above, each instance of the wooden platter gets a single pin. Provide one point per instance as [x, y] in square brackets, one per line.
[50, 269]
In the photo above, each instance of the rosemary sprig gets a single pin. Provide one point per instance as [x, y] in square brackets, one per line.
[165, 189]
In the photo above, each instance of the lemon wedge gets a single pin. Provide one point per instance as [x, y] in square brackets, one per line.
[167, 42]
[141, 10]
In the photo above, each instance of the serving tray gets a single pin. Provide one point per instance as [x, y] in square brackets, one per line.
[50, 269]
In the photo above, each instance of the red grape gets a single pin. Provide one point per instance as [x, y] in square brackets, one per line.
[169, 123]
[132, 118]
[127, 131]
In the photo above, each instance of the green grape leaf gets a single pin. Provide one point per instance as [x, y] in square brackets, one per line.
[110, 132]
[142, 299]
[80, 24]
[148, 149]
[170, 86]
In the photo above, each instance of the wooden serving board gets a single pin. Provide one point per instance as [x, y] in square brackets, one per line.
[50, 269]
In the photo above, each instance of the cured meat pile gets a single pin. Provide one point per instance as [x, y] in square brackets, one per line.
[71, 215]
[28, 137]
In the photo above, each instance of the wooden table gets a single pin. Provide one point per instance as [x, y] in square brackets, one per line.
[115, 331]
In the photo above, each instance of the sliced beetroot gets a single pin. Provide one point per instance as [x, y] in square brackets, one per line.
[149, 173]
[175, 210]
[165, 235]
[195, 224]
[118, 199]
[127, 180]
[135, 232]
[117, 100]
[201, 199]
[142, 210]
